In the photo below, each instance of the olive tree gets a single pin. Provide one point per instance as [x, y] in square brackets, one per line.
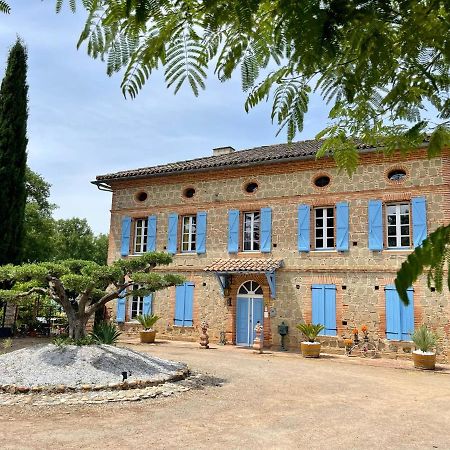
[83, 287]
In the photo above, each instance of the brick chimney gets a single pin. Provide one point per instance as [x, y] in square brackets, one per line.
[222, 151]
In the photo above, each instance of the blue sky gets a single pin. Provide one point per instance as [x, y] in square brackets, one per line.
[81, 126]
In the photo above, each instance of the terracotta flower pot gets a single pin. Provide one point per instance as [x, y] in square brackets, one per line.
[310, 349]
[147, 336]
[426, 361]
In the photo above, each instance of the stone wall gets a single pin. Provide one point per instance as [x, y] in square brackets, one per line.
[283, 187]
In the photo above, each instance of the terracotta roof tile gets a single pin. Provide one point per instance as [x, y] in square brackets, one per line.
[245, 265]
[243, 158]
[301, 150]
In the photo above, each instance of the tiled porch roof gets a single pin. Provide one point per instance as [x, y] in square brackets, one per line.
[244, 265]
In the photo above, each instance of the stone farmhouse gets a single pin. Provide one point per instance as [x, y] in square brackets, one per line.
[271, 234]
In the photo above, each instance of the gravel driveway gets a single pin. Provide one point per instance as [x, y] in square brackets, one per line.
[264, 401]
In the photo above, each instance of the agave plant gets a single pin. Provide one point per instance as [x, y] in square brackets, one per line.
[105, 333]
[310, 330]
[424, 339]
[147, 320]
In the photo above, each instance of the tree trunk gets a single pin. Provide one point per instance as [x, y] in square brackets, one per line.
[77, 324]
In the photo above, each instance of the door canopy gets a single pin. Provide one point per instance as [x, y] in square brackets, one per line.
[225, 268]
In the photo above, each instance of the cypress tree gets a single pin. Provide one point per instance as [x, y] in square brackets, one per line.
[13, 155]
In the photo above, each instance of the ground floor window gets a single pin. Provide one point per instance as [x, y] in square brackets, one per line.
[137, 306]
[399, 317]
[140, 304]
[184, 301]
[324, 307]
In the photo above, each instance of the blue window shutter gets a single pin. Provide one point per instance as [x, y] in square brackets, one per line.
[303, 228]
[184, 300]
[393, 320]
[147, 306]
[407, 316]
[375, 225]
[342, 225]
[330, 310]
[121, 306]
[188, 304]
[201, 232]
[179, 305]
[233, 231]
[266, 230]
[318, 306]
[151, 234]
[419, 220]
[172, 233]
[126, 231]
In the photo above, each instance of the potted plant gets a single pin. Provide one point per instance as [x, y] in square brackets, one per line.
[147, 321]
[424, 356]
[310, 348]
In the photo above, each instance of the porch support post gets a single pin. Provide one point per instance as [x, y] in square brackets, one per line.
[223, 280]
[271, 280]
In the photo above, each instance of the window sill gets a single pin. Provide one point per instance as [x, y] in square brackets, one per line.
[315, 251]
[398, 250]
[189, 327]
[186, 254]
[249, 252]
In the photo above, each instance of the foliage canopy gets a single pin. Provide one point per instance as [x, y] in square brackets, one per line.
[381, 65]
[84, 287]
[13, 155]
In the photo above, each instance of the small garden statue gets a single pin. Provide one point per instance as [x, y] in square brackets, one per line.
[204, 337]
[259, 338]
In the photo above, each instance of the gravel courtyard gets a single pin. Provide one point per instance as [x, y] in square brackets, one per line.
[263, 401]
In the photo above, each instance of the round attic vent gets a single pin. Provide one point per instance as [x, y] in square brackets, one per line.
[322, 181]
[189, 192]
[141, 196]
[251, 188]
[397, 175]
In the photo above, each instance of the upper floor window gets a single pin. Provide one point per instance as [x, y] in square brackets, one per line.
[140, 235]
[189, 233]
[398, 225]
[251, 231]
[186, 234]
[324, 228]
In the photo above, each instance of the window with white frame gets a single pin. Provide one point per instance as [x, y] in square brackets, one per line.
[398, 225]
[140, 235]
[324, 228]
[137, 304]
[251, 229]
[189, 233]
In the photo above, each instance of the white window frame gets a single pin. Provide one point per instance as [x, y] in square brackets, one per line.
[398, 234]
[325, 228]
[136, 305]
[254, 242]
[189, 234]
[140, 240]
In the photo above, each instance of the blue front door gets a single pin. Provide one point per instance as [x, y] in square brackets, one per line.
[248, 312]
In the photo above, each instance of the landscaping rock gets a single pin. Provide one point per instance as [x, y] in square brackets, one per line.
[54, 369]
